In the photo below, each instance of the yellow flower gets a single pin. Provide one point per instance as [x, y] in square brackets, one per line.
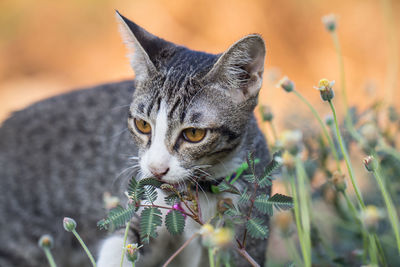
[371, 217]
[206, 229]
[325, 89]
[222, 237]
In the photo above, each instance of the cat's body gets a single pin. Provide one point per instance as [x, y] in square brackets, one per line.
[191, 113]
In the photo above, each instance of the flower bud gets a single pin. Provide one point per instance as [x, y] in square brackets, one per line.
[371, 216]
[286, 84]
[132, 252]
[339, 181]
[69, 224]
[370, 163]
[330, 22]
[325, 89]
[329, 120]
[266, 113]
[46, 241]
[291, 141]
[370, 134]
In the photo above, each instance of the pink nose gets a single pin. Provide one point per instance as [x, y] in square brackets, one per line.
[159, 172]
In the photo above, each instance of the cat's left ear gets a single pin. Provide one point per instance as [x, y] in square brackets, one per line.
[239, 70]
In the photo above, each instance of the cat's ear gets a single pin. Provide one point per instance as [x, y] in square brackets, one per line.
[145, 49]
[239, 70]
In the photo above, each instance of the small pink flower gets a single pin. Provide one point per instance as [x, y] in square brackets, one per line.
[178, 206]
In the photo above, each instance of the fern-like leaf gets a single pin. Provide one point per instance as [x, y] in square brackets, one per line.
[149, 193]
[281, 202]
[244, 197]
[117, 217]
[250, 178]
[150, 181]
[172, 199]
[264, 204]
[150, 219]
[225, 186]
[175, 222]
[272, 165]
[256, 228]
[264, 181]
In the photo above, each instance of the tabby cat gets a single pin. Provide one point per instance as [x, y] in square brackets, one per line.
[191, 120]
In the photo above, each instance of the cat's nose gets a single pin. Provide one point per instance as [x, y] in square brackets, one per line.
[159, 172]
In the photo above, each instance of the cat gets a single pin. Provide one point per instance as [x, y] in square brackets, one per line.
[187, 112]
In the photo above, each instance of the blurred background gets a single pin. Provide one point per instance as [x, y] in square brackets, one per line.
[51, 47]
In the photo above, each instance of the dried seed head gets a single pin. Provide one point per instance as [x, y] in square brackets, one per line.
[325, 89]
[46, 241]
[330, 22]
[339, 181]
[286, 84]
[370, 163]
[266, 113]
[69, 224]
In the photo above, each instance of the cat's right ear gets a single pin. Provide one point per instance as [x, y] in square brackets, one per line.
[145, 49]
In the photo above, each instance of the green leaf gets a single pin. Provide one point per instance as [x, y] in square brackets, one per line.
[264, 204]
[272, 165]
[232, 211]
[117, 217]
[244, 197]
[256, 228]
[149, 193]
[175, 222]
[264, 182]
[281, 202]
[225, 186]
[133, 190]
[150, 181]
[150, 219]
[250, 178]
[172, 199]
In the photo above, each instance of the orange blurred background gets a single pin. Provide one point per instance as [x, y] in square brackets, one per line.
[48, 47]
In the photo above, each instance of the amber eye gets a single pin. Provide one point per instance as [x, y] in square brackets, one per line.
[142, 126]
[194, 135]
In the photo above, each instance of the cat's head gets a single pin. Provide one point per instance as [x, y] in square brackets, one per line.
[190, 110]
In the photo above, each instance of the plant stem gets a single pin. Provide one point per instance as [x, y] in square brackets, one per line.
[342, 72]
[84, 247]
[246, 255]
[292, 251]
[124, 245]
[304, 209]
[393, 217]
[211, 257]
[346, 158]
[324, 130]
[49, 257]
[271, 124]
[297, 218]
[372, 250]
[187, 242]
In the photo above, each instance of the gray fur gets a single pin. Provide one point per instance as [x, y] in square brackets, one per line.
[57, 157]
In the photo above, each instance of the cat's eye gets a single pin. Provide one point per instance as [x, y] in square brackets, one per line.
[142, 126]
[194, 135]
